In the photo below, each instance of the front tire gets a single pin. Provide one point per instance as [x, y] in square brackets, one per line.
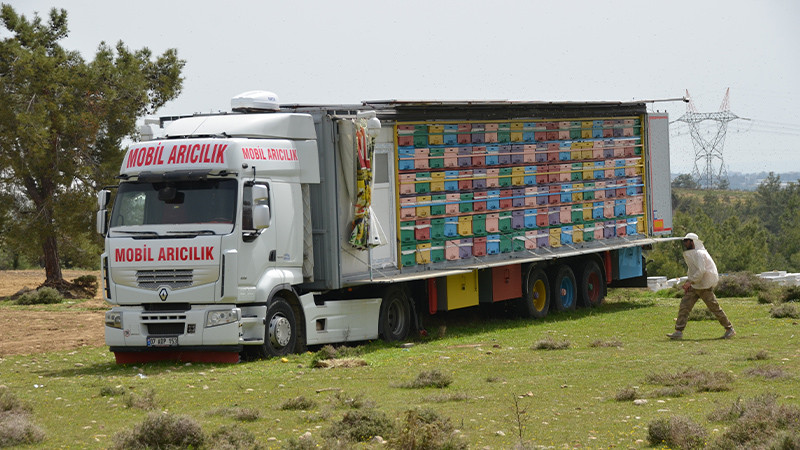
[394, 322]
[280, 335]
[565, 290]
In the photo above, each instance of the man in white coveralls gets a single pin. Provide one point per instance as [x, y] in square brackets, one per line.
[703, 277]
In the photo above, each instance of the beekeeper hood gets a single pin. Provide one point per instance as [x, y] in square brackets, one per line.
[698, 244]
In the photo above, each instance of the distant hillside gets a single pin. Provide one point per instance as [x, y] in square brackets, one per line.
[750, 181]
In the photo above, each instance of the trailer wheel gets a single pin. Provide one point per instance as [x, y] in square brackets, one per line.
[535, 299]
[592, 284]
[565, 289]
[394, 322]
[281, 329]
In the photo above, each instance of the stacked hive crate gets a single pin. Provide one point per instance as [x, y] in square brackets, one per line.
[475, 189]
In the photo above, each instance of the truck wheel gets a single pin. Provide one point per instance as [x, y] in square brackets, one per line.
[565, 289]
[592, 284]
[394, 322]
[535, 299]
[281, 329]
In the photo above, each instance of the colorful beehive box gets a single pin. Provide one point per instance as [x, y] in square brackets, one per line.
[505, 221]
[408, 255]
[422, 230]
[407, 231]
[423, 206]
[479, 246]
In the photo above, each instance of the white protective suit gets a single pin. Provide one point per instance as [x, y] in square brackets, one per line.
[702, 270]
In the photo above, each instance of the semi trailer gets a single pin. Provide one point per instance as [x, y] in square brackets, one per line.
[270, 228]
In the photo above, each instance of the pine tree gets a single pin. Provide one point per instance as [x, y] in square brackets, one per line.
[62, 121]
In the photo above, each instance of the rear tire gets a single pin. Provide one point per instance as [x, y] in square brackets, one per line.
[564, 289]
[394, 322]
[535, 299]
[592, 285]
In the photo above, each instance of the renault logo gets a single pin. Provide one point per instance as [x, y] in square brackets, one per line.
[163, 294]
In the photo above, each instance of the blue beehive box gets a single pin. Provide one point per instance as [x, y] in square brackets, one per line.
[619, 207]
[451, 226]
[493, 244]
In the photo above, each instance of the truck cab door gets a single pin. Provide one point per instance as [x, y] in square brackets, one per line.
[259, 246]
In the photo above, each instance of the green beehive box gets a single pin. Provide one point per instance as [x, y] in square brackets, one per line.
[437, 251]
[588, 192]
[407, 232]
[505, 222]
[465, 205]
[503, 136]
[479, 225]
[438, 210]
[518, 245]
[577, 214]
[420, 140]
[505, 177]
[437, 229]
[408, 255]
[505, 243]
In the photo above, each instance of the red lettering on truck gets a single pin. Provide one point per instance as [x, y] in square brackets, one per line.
[270, 154]
[179, 154]
[145, 254]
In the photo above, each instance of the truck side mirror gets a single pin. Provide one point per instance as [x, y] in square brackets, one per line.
[103, 197]
[261, 217]
[260, 192]
[102, 225]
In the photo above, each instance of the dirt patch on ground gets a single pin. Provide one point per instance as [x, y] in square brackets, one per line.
[31, 329]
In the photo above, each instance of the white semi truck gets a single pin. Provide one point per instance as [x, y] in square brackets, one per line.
[273, 227]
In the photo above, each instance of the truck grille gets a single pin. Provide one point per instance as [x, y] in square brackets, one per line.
[165, 329]
[173, 278]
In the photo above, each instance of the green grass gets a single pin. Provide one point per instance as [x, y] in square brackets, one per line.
[567, 397]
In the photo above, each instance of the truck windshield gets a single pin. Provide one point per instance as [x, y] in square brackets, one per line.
[208, 202]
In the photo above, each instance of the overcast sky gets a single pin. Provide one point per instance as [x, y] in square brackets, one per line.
[349, 51]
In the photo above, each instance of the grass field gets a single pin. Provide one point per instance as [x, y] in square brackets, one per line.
[501, 387]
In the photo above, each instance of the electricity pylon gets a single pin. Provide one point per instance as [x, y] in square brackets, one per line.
[709, 165]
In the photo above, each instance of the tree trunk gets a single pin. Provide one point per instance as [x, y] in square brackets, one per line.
[52, 264]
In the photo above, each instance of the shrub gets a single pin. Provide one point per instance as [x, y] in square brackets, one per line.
[676, 431]
[758, 356]
[758, 423]
[626, 394]
[774, 295]
[670, 391]
[699, 380]
[298, 404]
[42, 296]
[768, 372]
[87, 284]
[240, 414]
[17, 429]
[233, 437]
[146, 400]
[108, 391]
[741, 284]
[426, 429]
[360, 426]
[784, 310]
[162, 431]
[429, 378]
[791, 294]
[701, 314]
[342, 400]
[608, 343]
[9, 403]
[548, 343]
[444, 398]
[329, 352]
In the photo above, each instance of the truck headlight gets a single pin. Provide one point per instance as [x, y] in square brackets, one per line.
[216, 318]
[114, 319]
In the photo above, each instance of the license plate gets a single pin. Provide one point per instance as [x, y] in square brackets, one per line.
[171, 341]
